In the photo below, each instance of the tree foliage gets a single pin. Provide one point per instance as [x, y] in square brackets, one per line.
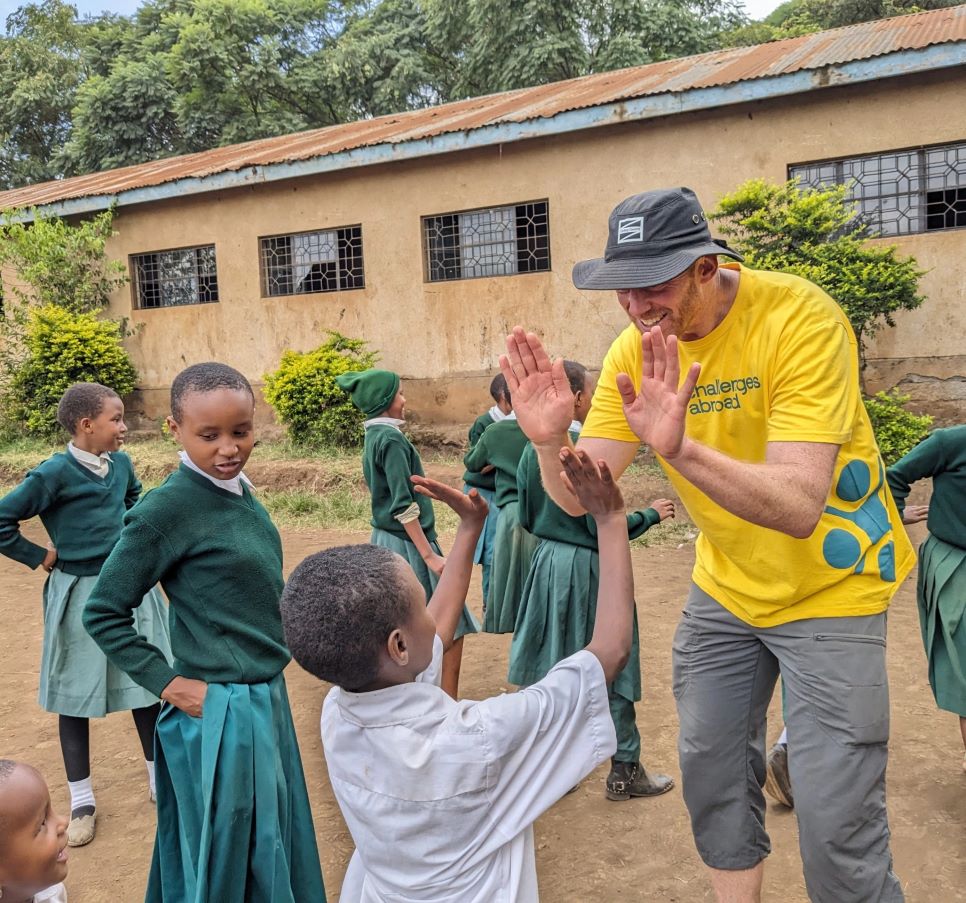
[816, 234]
[896, 430]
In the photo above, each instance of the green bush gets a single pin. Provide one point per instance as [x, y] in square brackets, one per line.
[896, 429]
[306, 399]
[63, 347]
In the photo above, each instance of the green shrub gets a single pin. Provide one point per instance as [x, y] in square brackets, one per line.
[306, 399]
[63, 347]
[896, 429]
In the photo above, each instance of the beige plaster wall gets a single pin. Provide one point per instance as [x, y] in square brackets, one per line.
[445, 338]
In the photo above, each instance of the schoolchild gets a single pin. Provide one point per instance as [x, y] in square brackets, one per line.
[33, 838]
[941, 587]
[440, 796]
[499, 448]
[81, 495]
[234, 822]
[559, 602]
[402, 519]
[485, 483]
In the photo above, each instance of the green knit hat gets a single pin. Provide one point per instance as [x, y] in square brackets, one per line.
[372, 391]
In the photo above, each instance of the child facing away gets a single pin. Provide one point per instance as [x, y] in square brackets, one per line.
[485, 483]
[234, 822]
[440, 796]
[33, 838]
[81, 495]
[500, 448]
[557, 611]
[402, 519]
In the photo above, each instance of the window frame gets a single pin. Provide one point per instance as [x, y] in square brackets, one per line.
[456, 214]
[921, 211]
[136, 285]
[338, 230]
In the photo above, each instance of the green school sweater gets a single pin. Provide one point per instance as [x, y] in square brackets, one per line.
[218, 558]
[544, 518]
[942, 456]
[500, 445]
[81, 512]
[389, 459]
[470, 478]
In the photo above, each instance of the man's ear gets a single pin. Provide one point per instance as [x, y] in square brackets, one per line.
[397, 648]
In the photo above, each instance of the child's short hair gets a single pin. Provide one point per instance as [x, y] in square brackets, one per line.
[82, 400]
[339, 607]
[7, 768]
[499, 388]
[576, 375]
[207, 377]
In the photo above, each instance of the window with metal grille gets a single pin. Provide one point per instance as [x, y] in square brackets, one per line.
[173, 278]
[308, 262]
[900, 192]
[496, 241]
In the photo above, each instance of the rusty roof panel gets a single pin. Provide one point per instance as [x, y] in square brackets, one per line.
[708, 70]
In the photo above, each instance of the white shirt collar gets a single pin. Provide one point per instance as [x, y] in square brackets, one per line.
[98, 464]
[511, 416]
[575, 426]
[394, 422]
[234, 485]
[496, 414]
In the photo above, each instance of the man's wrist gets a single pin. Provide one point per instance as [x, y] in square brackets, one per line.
[684, 453]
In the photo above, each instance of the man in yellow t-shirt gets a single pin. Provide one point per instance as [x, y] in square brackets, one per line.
[767, 442]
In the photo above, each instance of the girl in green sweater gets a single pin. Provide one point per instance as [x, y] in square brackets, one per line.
[402, 519]
[80, 495]
[234, 822]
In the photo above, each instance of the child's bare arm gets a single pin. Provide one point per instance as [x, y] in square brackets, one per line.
[594, 487]
[446, 605]
[417, 537]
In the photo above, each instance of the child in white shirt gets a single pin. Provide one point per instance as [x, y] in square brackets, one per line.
[440, 796]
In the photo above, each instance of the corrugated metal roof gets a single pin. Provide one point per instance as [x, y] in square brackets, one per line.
[720, 68]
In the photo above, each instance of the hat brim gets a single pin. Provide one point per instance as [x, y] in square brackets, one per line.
[642, 272]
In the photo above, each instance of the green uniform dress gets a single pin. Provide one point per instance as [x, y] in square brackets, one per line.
[82, 513]
[556, 617]
[501, 446]
[941, 587]
[389, 459]
[485, 485]
[234, 822]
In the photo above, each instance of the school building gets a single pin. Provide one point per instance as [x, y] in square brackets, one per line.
[430, 233]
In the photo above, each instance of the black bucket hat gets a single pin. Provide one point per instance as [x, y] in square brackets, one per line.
[652, 238]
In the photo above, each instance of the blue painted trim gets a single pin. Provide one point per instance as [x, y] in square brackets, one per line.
[907, 62]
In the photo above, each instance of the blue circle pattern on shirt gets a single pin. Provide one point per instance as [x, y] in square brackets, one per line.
[840, 547]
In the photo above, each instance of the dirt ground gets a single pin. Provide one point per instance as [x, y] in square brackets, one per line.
[588, 849]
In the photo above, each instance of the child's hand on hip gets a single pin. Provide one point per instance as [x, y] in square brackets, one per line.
[915, 514]
[186, 694]
[592, 484]
[50, 559]
[664, 508]
[470, 506]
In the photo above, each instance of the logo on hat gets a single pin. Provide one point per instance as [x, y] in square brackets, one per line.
[630, 228]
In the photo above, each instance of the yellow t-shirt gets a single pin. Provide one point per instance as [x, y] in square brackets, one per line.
[781, 367]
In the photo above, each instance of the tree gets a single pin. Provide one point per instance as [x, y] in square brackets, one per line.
[816, 234]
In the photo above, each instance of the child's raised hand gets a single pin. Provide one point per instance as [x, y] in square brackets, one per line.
[592, 484]
[664, 508]
[469, 506]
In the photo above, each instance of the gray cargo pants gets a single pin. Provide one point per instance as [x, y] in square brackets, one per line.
[837, 714]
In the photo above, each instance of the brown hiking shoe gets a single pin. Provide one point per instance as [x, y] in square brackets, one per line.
[778, 784]
[630, 779]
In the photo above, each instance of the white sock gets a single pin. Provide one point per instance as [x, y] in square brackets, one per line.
[783, 739]
[150, 767]
[81, 793]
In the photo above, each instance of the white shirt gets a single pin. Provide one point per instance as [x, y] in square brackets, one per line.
[394, 422]
[234, 485]
[56, 893]
[440, 796]
[96, 464]
[496, 414]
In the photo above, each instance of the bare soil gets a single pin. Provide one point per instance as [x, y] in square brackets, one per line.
[588, 849]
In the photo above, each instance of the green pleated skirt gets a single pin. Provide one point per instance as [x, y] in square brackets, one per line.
[76, 678]
[513, 549]
[557, 613]
[941, 594]
[467, 623]
[234, 823]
